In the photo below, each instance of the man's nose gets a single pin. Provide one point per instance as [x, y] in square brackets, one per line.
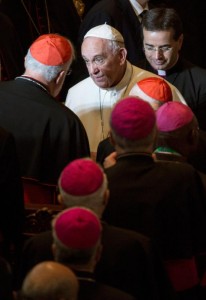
[92, 68]
[158, 53]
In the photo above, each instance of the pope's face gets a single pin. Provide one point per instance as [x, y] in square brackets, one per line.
[103, 64]
[161, 49]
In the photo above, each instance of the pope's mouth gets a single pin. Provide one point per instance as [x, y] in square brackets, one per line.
[98, 78]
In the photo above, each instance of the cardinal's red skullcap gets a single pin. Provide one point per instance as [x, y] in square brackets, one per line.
[51, 49]
[132, 118]
[77, 228]
[152, 88]
[173, 115]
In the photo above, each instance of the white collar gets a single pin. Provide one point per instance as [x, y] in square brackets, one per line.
[161, 72]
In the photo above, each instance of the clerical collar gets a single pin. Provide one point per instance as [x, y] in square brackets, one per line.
[164, 73]
[36, 82]
[177, 68]
[161, 73]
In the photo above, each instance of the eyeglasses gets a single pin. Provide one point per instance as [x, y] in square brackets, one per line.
[162, 49]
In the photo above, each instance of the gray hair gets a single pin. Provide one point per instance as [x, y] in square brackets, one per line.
[115, 45]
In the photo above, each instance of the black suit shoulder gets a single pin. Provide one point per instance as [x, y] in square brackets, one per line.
[44, 129]
[190, 79]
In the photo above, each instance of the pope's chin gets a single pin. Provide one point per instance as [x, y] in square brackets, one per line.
[100, 83]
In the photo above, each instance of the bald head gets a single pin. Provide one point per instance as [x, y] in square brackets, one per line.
[50, 281]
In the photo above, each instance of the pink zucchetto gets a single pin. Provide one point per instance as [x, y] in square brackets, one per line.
[51, 50]
[81, 177]
[77, 228]
[132, 118]
[173, 115]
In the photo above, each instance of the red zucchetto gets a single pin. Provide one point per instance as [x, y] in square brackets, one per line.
[152, 89]
[51, 50]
